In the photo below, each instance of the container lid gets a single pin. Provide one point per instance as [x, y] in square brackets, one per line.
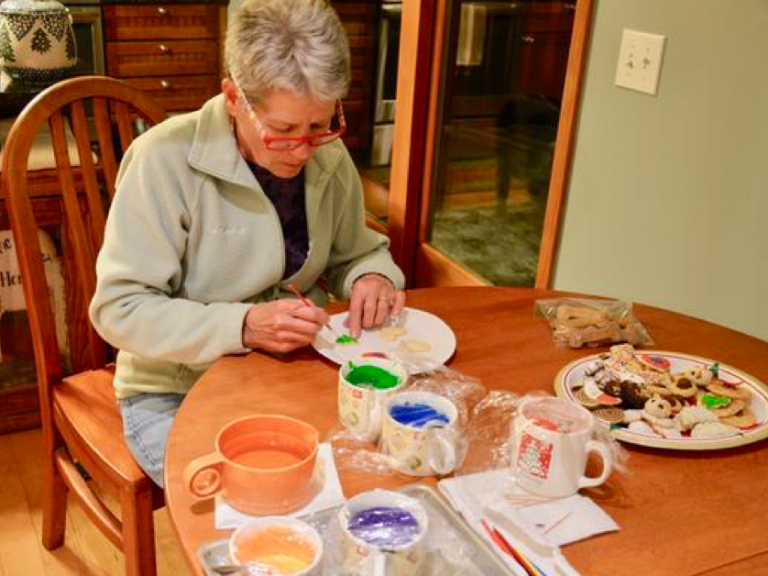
[27, 6]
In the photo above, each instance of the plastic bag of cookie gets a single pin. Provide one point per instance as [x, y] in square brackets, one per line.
[591, 322]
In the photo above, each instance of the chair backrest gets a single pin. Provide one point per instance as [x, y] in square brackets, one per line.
[102, 116]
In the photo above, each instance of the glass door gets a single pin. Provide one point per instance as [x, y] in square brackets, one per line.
[496, 118]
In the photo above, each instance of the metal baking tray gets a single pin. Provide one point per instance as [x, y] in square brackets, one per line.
[453, 548]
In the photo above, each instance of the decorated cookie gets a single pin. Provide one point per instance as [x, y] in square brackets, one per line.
[720, 388]
[632, 416]
[713, 430]
[683, 385]
[690, 416]
[701, 375]
[733, 408]
[658, 407]
[417, 346]
[593, 391]
[584, 400]
[744, 419]
[392, 333]
[659, 390]
[610, 415]
[641, 427]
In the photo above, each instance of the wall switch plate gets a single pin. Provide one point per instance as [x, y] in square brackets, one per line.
[640, 57]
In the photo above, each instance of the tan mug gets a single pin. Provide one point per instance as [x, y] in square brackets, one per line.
[262, 464]
[421, 451]
[361, 407]
[390, 553]
[553, 439]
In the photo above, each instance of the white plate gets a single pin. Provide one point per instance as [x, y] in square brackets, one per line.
[419, 326]
[573, 374]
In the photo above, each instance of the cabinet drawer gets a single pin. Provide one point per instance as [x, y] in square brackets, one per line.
[161, 21]
[176, 93]
[158, 58]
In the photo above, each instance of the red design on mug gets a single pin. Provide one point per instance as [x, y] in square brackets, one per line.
[535, 456]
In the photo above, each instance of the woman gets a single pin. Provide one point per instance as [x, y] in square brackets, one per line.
[218, 212]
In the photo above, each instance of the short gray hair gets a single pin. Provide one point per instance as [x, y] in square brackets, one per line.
[296, 45]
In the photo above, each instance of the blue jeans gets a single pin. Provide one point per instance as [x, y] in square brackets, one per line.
[147, 420]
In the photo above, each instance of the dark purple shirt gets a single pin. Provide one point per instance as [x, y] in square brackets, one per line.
[287, 196]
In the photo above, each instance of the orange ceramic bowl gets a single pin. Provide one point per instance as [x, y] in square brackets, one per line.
[262, 464]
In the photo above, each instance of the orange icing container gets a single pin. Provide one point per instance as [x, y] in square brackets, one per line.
[276, 546]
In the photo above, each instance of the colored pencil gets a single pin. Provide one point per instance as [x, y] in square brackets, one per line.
[498, 538]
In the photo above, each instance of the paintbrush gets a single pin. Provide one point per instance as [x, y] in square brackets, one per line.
[307, 302]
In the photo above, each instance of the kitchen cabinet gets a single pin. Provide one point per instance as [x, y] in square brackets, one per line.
[545, 39]
[172, 51]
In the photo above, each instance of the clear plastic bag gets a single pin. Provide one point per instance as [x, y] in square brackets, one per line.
[491, 438]
[578, 322]
[353, 453]
[488, 433]
[485, 436]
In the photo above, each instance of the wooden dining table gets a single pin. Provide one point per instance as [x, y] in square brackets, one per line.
[680, 513]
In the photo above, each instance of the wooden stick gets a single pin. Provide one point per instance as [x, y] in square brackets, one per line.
[307, 302]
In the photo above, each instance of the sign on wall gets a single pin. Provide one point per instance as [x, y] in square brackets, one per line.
[12, 293]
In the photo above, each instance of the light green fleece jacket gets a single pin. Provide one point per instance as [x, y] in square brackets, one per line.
[192, 242]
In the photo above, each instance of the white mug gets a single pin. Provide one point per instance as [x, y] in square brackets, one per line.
[361, 407]
[424, 451]
[365, 559]
[553, 438]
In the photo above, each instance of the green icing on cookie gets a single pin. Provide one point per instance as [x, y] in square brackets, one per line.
[346, 339]
[712, 401]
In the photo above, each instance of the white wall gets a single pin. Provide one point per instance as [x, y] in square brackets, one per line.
[668, 197]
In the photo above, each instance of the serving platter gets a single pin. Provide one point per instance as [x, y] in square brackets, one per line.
[571, 377]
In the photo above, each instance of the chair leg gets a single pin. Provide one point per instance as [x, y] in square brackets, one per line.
[54, 504]
[138, 534]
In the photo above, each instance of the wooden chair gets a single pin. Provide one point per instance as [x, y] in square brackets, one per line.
[81, 423]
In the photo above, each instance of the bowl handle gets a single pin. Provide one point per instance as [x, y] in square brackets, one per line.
[202, 476]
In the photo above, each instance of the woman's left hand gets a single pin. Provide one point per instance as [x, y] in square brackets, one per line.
[374, 299]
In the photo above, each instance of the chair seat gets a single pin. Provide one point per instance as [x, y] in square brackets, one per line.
[85, 407]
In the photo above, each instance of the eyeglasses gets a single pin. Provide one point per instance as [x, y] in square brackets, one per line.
[282, 143]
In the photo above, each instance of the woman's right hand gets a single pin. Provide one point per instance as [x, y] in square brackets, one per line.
[282, 325]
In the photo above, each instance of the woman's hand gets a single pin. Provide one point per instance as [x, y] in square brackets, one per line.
[282, 325]
[374, 299]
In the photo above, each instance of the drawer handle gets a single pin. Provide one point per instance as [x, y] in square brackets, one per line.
[164, 48]
[528, 39]
[165, 85]
[162, 11]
